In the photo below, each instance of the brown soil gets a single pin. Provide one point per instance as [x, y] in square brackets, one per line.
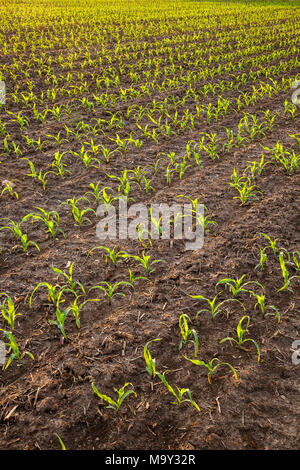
[53, 394]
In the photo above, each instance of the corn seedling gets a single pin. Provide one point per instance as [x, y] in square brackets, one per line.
[115, 405]
[60, 319]
[144, 260]
[180, 393]
[110, 290]
[76, 308]
[294, 136]
[290, 162]
[79, 215]
[240, 334]
[265, 308]
[144, 234]
[147, 184]
[133, 279]
[111, 254]
[50, 219]
[62, 445]
[296, 260]
[237, 286]
[186, 332]
[272, 243]
[18, 235]
[56, 138]
[59, 165]
[156, 224]
[203, 221]
[210, 367]
[150, 363]
[246, 190]
[101, 195]
[14, 227]
[211, 146]
[263, 259]
[15, 349]
[285, 274]
[25, 243]
[215, 308]
[54, 294]
[39, 176]
[69, 277]
[8, 186]
[256, 168]
[23, 121]
[8, 310]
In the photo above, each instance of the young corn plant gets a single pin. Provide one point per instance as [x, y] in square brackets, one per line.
[144, 260]
[102, 195]
[69, 278]
[9, 187]
[8, 310]
[76, 308]
[272, 244]
[19, 236]
[211, 145]
[181, 168]
[246, 190]
[180, 393]
[59, 165]
[229, 140]
[62, 445]
[144, 236]
[285, 274]
[107, 153]
[147, 185]
[263, 259]
[59, 140]
[214, 307]
[50, 219]
[23, 121]
[111, 254]
[264, 308]
[39, 176]
[156, 225]
[186, 332]
[290, 161]
[110, 290]
[296, 137]
[79, 214]
[133, 279]
[203, 220]
[87, 159]
[16, 354]
[240, 334]
[25, 243]
[54, 292]
[14, 227]
[60, 319]
[122, 394]
[237, 286]
[256, 168]
[150, 363]
[194, 203]
[137, 175]
[296, 260]
[210, 366]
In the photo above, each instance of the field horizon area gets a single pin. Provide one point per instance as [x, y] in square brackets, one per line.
[171, 323]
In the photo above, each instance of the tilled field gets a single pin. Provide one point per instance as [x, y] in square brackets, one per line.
[168, 102]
